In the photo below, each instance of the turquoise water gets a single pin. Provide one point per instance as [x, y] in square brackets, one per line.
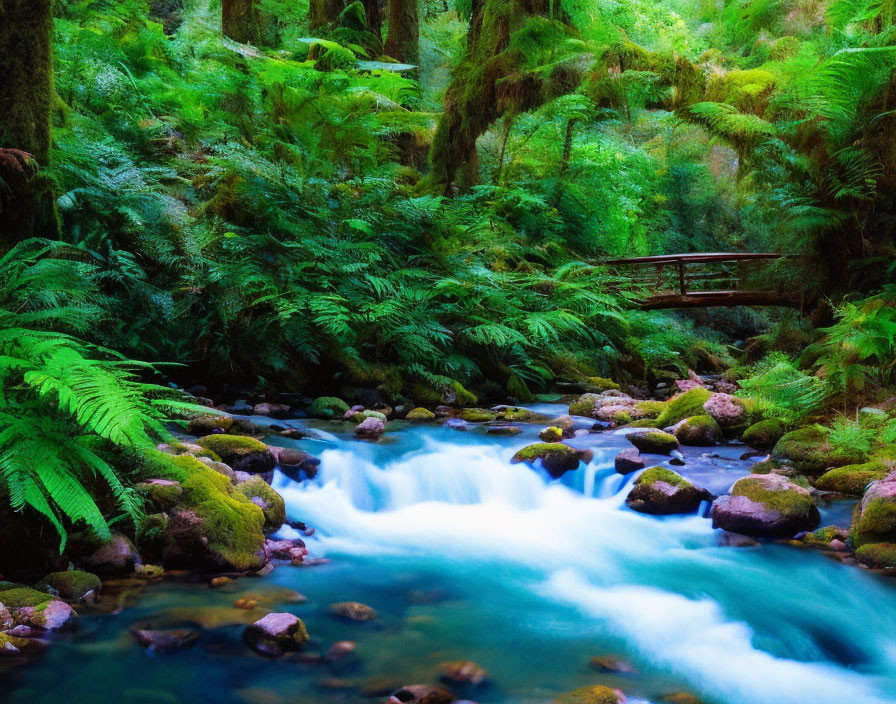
[466, 556]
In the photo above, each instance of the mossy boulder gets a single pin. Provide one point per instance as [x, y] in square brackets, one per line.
[477, 415]
[660, 491]
[210, 526]
[654, 442]
[727, 410]
[596, 694]
[766, 506]
[260, 493]
[516, 414]
[420, 414]
[19, 597]
[650, 409]
[551, 434]
[853, 478]
[698, 431]
[556, 457]
[585, 405]
[73, 585]
[874, 518]
[600, 384]
[811, 453]
[242, 454]
[207, 425]
[764, 434]
[878, 556]
[327, 408]
[682, 406]
[276, 634]
[457, 395]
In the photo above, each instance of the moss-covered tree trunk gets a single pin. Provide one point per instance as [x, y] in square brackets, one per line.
[323, 12]
[374, 17]
[403, 40]
[490, 82]
[26, 95]
[241, 21]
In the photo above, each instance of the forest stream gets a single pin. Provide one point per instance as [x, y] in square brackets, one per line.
[466, 557]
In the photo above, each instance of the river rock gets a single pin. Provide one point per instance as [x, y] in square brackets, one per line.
[73, 585]
[166, 639]
[276, 634]
[284, 549]
[276, 410]
[353, 611]
[371, 428]
[853, 478]
[766, 506]
[727, 410]
[114, 558]
[810, 452]
[551, 434]
[873, 528]
[207, 425]
[629, 461]
[653, 442]
[596, 694]
[764, 434]
[327, 408]
[421, 694]
[660, 491]
[242, 454]
[697, 431]
[463, 675]
[585, 405]
[259, 492]
[607, 663]
[556, 458]
[420, 415]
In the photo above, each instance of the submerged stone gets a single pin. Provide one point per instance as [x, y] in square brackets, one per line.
[353, 611]
[597, 694]
[165, 639]
[276, 634]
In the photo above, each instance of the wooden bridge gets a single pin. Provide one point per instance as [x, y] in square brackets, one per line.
[704, 280]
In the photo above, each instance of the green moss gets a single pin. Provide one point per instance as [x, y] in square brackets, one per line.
[650, 409]
[551, 435]
[880, 556]
[327, 408]
[164, 496]
[584, 405]
[74, 584]
[810, 452]
[225, 445]
[530, 453]
[685, 405]
[232, 524]
[477, 415]
[464, 397]
[853, 478]
[661, 474]
[764, 434]
[657, 442]
[274, 509]
[206, 425]
[602, 384]
[423, 394]
[823, 536]
[420, 414]
[23, 596]
[644, 423]
[622, 417]
[361, 416]
[874, 522]
[518, 414]
[597, 694]
[785, 501]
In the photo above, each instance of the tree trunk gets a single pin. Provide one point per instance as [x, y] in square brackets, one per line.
[565, 158]
[374, 17]
[323, 12]
[241, 21]
[27, 205]
[403, 42]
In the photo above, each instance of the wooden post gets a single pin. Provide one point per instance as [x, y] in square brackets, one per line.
[681, 280]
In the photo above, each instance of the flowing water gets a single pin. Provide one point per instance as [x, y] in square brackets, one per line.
[466, 556]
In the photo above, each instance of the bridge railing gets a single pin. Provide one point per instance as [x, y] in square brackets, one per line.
[706, 279]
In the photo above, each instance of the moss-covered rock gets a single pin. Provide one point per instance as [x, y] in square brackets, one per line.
[764, 434]
[551, 434]
[206, 425]
[73, 585]
[210, 526]
[811, 453]
[259, 492]
[420, 414]
[853, 478]
[327, 408]
[644, 423]
[477, 415]
[517, 389]
[768, 506]
[650, 409]
[878, 556]
[874, 519]
[601, 384]
[518, 415]
[727, 410]
[460, 396]
[698, 431]
[653, 442]
[242, 454]
[555, 457]
[596, 694]
[682, 406]
[20, 597]
[660, 491]
[276, 634]
[361, 416]
[585, 405]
